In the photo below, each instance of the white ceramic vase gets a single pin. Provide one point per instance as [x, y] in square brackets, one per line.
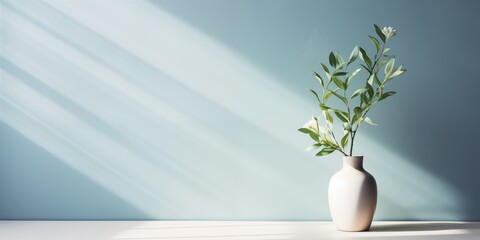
[352, 196]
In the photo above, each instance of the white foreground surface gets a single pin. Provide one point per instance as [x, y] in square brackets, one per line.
[218, 230]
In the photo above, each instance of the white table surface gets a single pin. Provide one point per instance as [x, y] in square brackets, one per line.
[220, 230]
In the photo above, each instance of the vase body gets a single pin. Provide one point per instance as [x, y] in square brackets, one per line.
[352, 196]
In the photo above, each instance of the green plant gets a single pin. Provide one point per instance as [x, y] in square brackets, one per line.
[357, 104]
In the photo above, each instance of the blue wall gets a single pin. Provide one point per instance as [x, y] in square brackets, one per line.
[189, 109]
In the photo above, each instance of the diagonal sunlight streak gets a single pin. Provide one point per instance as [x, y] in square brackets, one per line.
[29, 60]
[141, 150]
[52, 127]
[190, 180]
[204, 61]
[114, 82]
[159, 112]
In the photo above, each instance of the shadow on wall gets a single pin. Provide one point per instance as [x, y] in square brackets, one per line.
[139, 122]
[432, 120]
[428, 123]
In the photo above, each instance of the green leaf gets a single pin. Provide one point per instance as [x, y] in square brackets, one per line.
[357, 110]
[389, 67]
[379, 32]
[340, 73]
[358, 92]
[314, 146]
[319, 78]
[375, 42]
[328, 143]
[328, 95]
[369, 89]
[332, 60]
[343, 116]
[339, 83]
[315, 136]
[399, 71]
[329, 78]
[380, 64]
[366, 68]
[340, 66]
[364, 57]
[316, 95]
[353, 55]
[371, 79]
[323, 106]
[339, 59]
[385, 50]
[369, 121]
[364, 98]
[325, 151]
[344, 140]
[328, 116]
[386, 95]
[342, 98]
[351, 76]
[358, 113]
[325, 68]
[377, 81]
[307, 131]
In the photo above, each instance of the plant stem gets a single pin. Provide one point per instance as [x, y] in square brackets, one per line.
[372, 72]
[338, 145]
[378, 58]
[351, 142]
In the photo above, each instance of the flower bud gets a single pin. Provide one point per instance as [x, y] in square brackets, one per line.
[389, 32]
[312, 124]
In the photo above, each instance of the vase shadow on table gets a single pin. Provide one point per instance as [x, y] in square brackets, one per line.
[414, 227]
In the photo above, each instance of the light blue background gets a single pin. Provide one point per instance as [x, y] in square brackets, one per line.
[189, 109]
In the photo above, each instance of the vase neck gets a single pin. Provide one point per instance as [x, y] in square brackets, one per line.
[355, 162]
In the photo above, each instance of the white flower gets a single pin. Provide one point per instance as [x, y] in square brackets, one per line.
[312, 124]
[389, 32]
